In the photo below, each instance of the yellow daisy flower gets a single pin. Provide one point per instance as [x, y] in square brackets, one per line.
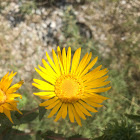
[7, 95]
[69, 88]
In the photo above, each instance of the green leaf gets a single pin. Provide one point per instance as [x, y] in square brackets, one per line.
[50, 135]
[27, 116]
[14, 118]
[42, 112]
[14, 134]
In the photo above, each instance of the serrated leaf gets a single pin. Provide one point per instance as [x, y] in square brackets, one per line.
[42, 112]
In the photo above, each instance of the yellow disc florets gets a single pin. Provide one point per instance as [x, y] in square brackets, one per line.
[69, 88]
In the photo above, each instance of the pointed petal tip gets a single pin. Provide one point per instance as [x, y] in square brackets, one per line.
[33, 84]
[96, 57]
[49, 116]
[79, 49]
[55, 120]
[44, 61]
[20, 112]
[34, 93]
[53, 52]
[41, 104]
[58, 48]
[39, 66]
[80, 125]
[14, 73]
[35, 68]
[34, 80]
[22, 81]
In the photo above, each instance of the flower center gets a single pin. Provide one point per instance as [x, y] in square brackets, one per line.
[2, 97]
[69, 88]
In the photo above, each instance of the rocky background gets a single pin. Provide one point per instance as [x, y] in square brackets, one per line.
[108, 28]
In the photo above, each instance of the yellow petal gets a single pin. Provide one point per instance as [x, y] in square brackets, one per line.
[98, 84]
[14, 106]
[11, 75]
[83, 109]
[13, 95]
[75, 60]
[52, 105]
[76, 115]
[81, 65]
[48, 102]
[14, 88]
[7, 85]
[87, 106]
[59, 114]
[4, 77]
[85, 63]
[64, 59]
[43, 86]
[92, 63]
[92, 98]
[46, 76]
[68, 60]
[12, 101]
[1, 109]
[94, 95]
[8, 114]
[46, 72]
[55, 59]
[52, 64]
[46, 97]
[92, 103]
[97, 81]
[55, 109]
[61, 65]
[44, 93]
[97, 75]
[6, 81]
[79, 112]
[91, 73]
[8, 106]
[64, 112]
[49, 69]
[71, 116]
[59, 54]
[98, 90]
